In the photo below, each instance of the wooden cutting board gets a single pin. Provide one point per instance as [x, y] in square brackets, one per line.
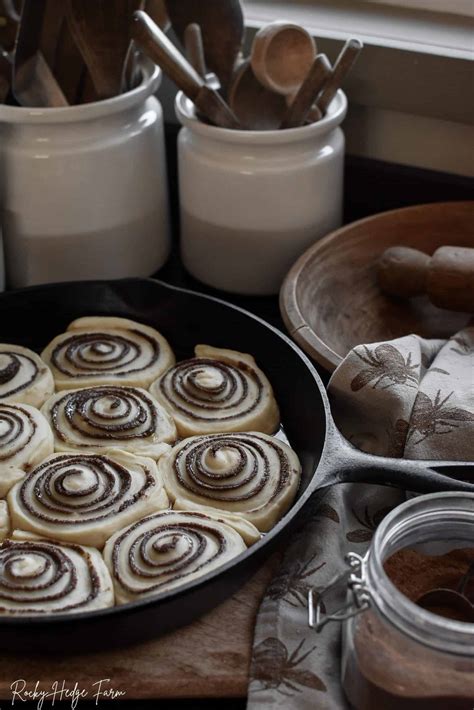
[208, 659]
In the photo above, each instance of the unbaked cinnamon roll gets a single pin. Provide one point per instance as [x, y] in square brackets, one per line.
[125, 418]
[4, 520]
[101, 351]
[42, 577]
[85, 498]
[24, 377]
[218, 390]
[166, 550]
[25, 440]
[252, 475]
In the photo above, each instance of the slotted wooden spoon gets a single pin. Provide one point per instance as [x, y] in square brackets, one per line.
[101, 30]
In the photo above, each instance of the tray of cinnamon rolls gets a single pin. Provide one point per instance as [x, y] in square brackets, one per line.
[128, 470]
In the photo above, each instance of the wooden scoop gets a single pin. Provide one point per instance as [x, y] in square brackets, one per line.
[257, 108]
[282, 55]
[101, 30]
[153, 42]
[447, 277]
[222, 26]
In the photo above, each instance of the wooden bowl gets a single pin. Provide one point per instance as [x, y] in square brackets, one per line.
[330, 300]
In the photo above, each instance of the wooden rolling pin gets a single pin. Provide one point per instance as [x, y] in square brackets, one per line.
[447, 277]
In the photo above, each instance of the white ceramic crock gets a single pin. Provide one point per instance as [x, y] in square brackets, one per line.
[83, 189]
[253, 201]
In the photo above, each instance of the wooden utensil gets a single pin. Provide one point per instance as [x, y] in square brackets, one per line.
[257, 108]
[9, 22]
[305, 99]
[447, 277]
[153, 42]
[158, 13]
[341, 69]
[331, 300]
[222, 26]
[33, 82]
[101, 30]
[282, 55]
[69, 67]
[195, 53]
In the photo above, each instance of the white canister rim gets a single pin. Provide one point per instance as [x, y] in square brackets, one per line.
[151, 80]
[186, 113]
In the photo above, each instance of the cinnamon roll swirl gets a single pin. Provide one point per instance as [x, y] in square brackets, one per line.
[107, 351]
[85, 498]
[127, 418]
[24, 377]
[166, 550]
[4, 520]
[252, 475]
[25, 440]
[218, 391]
[42, 577]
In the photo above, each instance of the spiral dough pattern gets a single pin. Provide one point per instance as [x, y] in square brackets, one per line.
[39, 577]
[85, 498]
[252, 475]
[219, 390]
[24, 378]
[126, 418]
[25, 440]
[97, 351]
[166, 550]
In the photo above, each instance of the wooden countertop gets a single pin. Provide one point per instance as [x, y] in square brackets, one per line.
[208, 659]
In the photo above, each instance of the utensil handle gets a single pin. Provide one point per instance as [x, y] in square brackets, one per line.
[162, 51]
[195, 48]
[343, 463]
[341, 69]
[308, 93]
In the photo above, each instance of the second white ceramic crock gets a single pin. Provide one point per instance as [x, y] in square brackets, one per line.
[84, 189]
[253, 201]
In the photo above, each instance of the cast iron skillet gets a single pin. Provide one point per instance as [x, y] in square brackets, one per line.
[32, 317]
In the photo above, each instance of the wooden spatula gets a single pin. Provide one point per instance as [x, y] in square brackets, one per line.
[101, 30]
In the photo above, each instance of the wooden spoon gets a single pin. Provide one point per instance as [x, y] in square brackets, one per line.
[222, 26]
[101, 30]
[282, 55]
[257, 108]
[153, 42]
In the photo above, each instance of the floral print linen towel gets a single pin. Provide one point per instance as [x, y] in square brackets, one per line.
[409, 398]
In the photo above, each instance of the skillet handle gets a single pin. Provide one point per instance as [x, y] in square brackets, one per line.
[343, 463]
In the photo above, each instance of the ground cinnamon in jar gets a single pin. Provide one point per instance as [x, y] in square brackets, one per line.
[415, 574]
[386, 668]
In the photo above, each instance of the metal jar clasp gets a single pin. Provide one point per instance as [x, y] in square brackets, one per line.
[359, 599]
